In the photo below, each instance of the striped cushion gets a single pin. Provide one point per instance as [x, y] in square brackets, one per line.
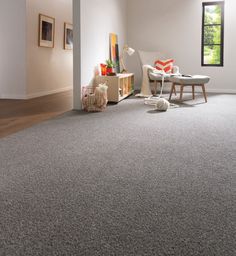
[165, 65]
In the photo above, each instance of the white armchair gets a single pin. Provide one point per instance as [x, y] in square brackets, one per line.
[147, 60]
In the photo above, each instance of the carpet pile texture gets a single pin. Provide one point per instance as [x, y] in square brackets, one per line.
[128, 181]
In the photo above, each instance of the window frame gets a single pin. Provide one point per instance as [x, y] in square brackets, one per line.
[222, 4]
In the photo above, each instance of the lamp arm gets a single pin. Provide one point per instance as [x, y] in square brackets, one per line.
[122, 62]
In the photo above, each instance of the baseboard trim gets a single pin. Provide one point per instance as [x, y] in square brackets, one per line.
[208, 90]
[217, 91]
[34, 95]
[12, 97]
[68, 88]
[226, 91]
[45, 93]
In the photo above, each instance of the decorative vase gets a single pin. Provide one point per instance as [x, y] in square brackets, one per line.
[103, 69]
[109, 70]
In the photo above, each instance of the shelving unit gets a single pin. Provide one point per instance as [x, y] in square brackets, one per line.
[119, 86]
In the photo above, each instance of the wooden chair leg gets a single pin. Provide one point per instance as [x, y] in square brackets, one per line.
[193, 91]
[204, 92]
[155, 88]
[171, 91]
[160, 83]
[181, 92]
[175, 90]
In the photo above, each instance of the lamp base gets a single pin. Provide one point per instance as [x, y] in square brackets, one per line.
[124, 71]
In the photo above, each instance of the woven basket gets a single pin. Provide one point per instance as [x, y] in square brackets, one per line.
[93, 99]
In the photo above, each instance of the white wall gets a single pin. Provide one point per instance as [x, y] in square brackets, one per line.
[48, 70]
[12, 49]
[174, 27]
[98, 19]
[77, 55]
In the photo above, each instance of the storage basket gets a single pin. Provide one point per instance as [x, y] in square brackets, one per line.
[94, 99]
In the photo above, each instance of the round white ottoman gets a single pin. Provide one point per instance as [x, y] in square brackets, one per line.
[196, 80]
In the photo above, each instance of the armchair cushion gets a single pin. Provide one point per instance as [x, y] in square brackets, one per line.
[155, 76]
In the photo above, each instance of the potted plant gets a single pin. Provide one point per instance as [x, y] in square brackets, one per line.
[110, 66]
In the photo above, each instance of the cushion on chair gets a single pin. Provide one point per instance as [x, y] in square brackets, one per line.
[157, 77]
[166, 65]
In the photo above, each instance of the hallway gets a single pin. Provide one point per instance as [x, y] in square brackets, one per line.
[16, 115]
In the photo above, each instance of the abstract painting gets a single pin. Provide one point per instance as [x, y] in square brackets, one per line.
[114, 51]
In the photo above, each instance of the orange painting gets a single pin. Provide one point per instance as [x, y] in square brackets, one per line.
[114, 51]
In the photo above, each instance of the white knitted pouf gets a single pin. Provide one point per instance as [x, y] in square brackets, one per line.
[162, 104]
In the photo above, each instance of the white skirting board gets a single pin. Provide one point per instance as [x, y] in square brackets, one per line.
[12, 97]
[40, 94]
[34, 95]
[210, 90]
[167, 88]
[227, 91]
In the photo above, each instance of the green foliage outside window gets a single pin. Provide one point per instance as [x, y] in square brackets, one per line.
[212, 34]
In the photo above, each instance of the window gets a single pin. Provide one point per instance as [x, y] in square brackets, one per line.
[213, 34]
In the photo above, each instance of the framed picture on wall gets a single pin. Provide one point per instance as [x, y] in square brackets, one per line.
[68, 36]
[46, 31]
[114, 51]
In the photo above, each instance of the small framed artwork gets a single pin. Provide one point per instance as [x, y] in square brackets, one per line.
[46, 31]
[68, 36]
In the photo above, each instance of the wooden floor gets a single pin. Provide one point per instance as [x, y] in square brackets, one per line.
[16, 115]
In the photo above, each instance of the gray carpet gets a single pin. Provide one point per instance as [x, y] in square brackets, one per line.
[129, 181]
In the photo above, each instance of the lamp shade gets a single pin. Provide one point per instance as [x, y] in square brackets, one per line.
[130, 51]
